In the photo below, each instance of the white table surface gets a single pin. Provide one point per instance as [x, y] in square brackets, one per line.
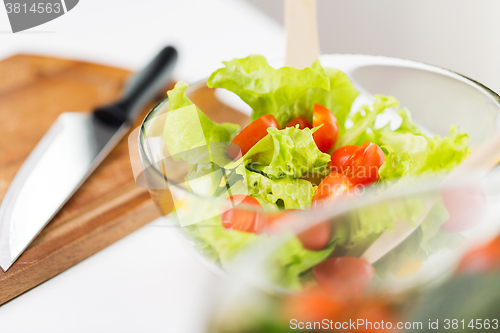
[145, 282]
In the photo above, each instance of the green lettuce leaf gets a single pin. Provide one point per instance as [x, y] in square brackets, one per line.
[219, 244]
[415, 155]
[286, 264]
[289, 152]
[188, 131]
[364, 120]
[395, 166]
[267, 90]
[413, 145]
[204, 179]
[338, 99]
[356, 230]
[290, 260]
[407, 124]
[443, 154]
[283, 156]
[284, 193]
[427, 240]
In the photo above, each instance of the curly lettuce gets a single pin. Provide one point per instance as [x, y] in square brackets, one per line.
[286, 264]
[427, 240]
[272, 169]
[287, 92]
[408, 153]
[290, 152]
[188, 132]
[338, 99]
[265, 89]
[364, 121]
[415, 155]
[283, 193]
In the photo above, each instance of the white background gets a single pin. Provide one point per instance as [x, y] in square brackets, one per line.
[127, 32]
[461, 35]
[147, 282]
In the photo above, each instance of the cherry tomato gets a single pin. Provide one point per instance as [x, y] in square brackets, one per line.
[327, 135]
[372, 311]
[312, 305]
[362, 167]
[340, 156]
[243, 220]
[250, 135]
[483, 259]
[466, 207]
[344, 276]
[330, 188]
[301, 121]
[314, 238]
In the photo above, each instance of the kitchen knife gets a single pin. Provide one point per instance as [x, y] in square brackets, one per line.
[68, 153]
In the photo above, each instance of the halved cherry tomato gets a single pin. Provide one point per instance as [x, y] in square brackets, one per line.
[340, 156]
[301, 121]
[250, 135]
[243, 220]
[313, 238]
[316, 237]
[330, 188]
[483, 259]
[466, 208]
[362, 167]
[313, 305]
[327, 135]
[345, 277]
[372, 311]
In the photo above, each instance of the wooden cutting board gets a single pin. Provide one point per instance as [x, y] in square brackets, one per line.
[34, 90]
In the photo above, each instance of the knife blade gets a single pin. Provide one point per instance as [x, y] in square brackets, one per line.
[67, 154]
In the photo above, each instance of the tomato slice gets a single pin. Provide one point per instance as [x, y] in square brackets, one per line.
[466, 208]
[312, 305]
[340, 156]
[483, 259]
[344, 276]
[301, 121]
[362, 167]
[314, 238]
[250, 135]
[243, 220]
[330, 188]
[327, 135]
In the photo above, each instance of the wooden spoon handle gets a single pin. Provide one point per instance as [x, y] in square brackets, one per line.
[302, 33]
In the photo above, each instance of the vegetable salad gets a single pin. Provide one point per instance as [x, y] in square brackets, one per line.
[305, 147]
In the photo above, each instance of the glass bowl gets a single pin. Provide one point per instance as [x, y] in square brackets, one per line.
[436, 97]
[454, 285]
[240, 307]
[430, 252]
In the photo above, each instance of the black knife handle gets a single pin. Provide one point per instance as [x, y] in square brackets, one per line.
[141, 89]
